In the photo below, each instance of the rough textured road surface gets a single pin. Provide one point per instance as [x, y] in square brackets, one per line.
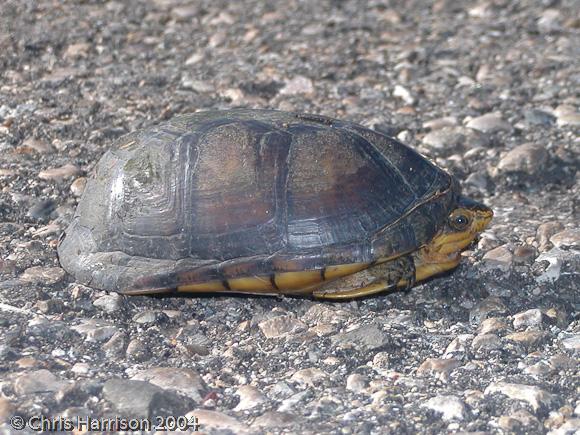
[488, 89]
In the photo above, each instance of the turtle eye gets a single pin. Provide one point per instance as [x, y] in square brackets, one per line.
[459, 222]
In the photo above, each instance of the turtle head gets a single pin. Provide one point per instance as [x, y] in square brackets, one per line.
[442, 253]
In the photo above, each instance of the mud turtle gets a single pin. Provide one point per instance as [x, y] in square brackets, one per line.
[268, 202]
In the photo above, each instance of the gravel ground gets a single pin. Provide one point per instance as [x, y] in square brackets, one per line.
[488, 89]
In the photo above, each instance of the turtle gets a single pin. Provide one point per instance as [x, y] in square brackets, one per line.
[266, 202]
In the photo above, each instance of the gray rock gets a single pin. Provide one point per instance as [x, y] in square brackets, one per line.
[438, 366]
[298, 85]
[528, 338]
[569, 427]
[60, 173]
[181, 380]
[43, 275]
[489, 123]
[95, 329]
[281, 326]
[250, 397]
[534, 396]
[365, 337]
[309, 376]
[539, 117]
[572, 342]
[38, 382]
[42, 209]
[218, 421]
[448, 140]
[109, 303]
[450, 407]
[116, 345]
[77, 187]
[138, 351]
[499, 258]
[545, 231]
[570, 237]
[356, 383]
[275, 419]
[527, 318]
[146, 317]
[530, 158]
[140, 399]
[485, 308]
[486, 342]
[493, 325]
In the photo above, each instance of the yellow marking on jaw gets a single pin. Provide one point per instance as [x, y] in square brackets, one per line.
[332, 272]
[297, 280]
[251, 283]
[210, 286]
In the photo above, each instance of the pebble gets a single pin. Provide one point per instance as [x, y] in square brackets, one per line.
[137, 350]
[218, 421]
[436, 124]
[530, 158]
[298, 85]
[273, 419]
[527, 318]
[39, 146]
[518, 420]
[404, 94]
[492, 325]
[458, 345]
[309, 376]
[486, 342]
[43, 275]
[365, 338]
[250, 397]
[146, 317]
[570, 427]
[545, 231]
[570, 237]
[489, 123]
[483, 309]
[448, 140]
[77, 187]
[450, 407]
[38, 382]
[42, 210]
[572, 343]
[116, 345]
[534, 396]
[95, 329]
[140, 399]
[356, 383]
[528, 338]
[109, 303]
[281, 326]
[181, 380]
[439, 366]
[525, 254]
[539, 117]
[60, 173]
[567, 115]
[499, 258]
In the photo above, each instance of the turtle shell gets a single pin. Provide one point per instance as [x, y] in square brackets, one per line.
[224, 194]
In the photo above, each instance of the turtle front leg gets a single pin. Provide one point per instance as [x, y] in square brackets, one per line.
[399, 272]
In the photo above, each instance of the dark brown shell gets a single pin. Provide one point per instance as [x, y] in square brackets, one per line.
[243, 192]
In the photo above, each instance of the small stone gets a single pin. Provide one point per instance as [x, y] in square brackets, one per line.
[486, 342]
[281, 326]
[533, 395]
[545, 231]
[43, 275]
[80, 368]
[572, 343]
[447, 140]
[7, 409]
[137, 350]
[436, 124]
[572, 119]
[525, 254]
[41, 210]
[530, 158]
[198, 86]
[272, 419]
[527, 318]
[78, 186]
[549, 21]
[366, 337]
[145, 317]
[78, 50]
[489, 123]
[483, 309]
[458, 345]
[39, 146]
[356, 383]
[492, 325]
[181, 380]
[404, 94]
[499, 258]
[95, 330]
[450, 407]
[298, 85]
[217, 420]
[519, 420]
[250, 397]
[60, 173]
[528, 338]
[185, 13]
[309, 376]
[562, 361]
[140, 399]
[438, 366]
[116, 345]
[570, 237]
[109, 303]
[37, 382]
[381, 360]
[541, 368]
[570, 427]
[539, 117]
